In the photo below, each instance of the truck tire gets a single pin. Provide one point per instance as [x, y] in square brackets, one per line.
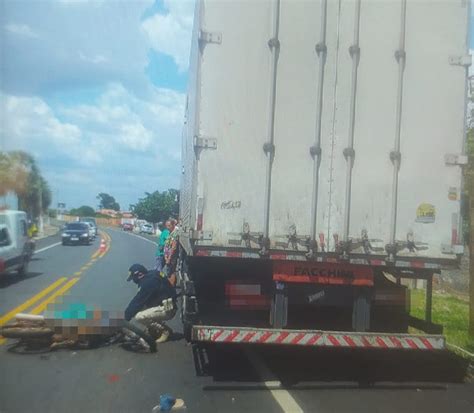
[187, 331]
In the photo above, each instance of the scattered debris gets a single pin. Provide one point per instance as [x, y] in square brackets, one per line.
[113, 378]
[169, 403]
[179, 405]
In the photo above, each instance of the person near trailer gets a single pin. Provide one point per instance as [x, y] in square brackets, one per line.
[171, 252]
[160, 249]
[154, 303]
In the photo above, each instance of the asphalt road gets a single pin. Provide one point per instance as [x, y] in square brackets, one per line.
[227, 379]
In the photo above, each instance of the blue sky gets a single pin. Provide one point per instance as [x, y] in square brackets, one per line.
[95, 89]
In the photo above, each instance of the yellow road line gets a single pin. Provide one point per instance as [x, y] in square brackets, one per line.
[40, 308]
[28, 303]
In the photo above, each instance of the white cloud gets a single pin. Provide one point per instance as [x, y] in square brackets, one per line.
[93, 59]
[121, 144]
[118, 134]
[168, 106]
[83, 44]
[30, 122]
[121, 117]
[21, 29]
[80, 2]
[171, 33]
[135, 136]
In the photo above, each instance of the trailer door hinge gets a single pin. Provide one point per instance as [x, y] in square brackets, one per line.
[201, 235]
[202, 142]
[210, 37]
[455, 159]
[464, 60]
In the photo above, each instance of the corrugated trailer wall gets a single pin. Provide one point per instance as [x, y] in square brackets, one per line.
[373, 83]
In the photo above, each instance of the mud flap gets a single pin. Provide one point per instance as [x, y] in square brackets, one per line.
[361, 310]
[279, 308]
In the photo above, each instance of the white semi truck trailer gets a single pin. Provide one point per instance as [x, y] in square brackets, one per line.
[323, 154]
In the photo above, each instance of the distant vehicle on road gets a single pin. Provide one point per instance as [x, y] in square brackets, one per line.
[16, 248]
[76, 233]
[92, 222]
[92, 230]
[127, 227]
[147, 229]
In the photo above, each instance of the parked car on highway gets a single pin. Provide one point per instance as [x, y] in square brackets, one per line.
[16, 248]
[92, 230]
[147, 229]
[76, 233]
[92, 222]
[127, 227]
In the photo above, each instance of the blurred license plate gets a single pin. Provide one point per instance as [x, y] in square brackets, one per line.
[74, 239]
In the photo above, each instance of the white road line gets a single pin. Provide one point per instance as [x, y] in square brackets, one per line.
[281, 396]
[137, 236]
[48, 247]
[143, 238]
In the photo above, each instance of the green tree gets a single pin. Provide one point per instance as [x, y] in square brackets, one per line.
[20, 173]
[83, 211]
[13, 174]
[157, 206]
[107, 201]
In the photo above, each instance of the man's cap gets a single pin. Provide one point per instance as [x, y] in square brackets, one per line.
[135, 269]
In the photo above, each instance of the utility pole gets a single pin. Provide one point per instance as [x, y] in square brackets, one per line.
[40, 207]
[471, 253]
[470, 188]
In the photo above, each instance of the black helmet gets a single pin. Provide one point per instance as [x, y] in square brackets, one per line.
[134, 271]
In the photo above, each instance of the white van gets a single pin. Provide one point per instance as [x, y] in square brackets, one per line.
[16, 247]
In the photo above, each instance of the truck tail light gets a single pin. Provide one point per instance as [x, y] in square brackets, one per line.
[245, 296]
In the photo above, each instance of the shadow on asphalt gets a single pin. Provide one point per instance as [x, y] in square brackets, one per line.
[10, 279]
[331, 368]
[176, 336]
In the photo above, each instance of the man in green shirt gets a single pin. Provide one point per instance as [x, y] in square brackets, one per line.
[160, 250]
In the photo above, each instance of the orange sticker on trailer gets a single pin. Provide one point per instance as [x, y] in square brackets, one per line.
[323, 273]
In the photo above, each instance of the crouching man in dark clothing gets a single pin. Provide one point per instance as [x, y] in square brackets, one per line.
[154, 303]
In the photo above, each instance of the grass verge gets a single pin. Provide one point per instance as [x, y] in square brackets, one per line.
[451, 312]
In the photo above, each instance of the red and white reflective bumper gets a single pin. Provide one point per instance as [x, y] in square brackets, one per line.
[318, 338]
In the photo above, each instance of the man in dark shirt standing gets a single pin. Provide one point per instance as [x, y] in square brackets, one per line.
[154, 303]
